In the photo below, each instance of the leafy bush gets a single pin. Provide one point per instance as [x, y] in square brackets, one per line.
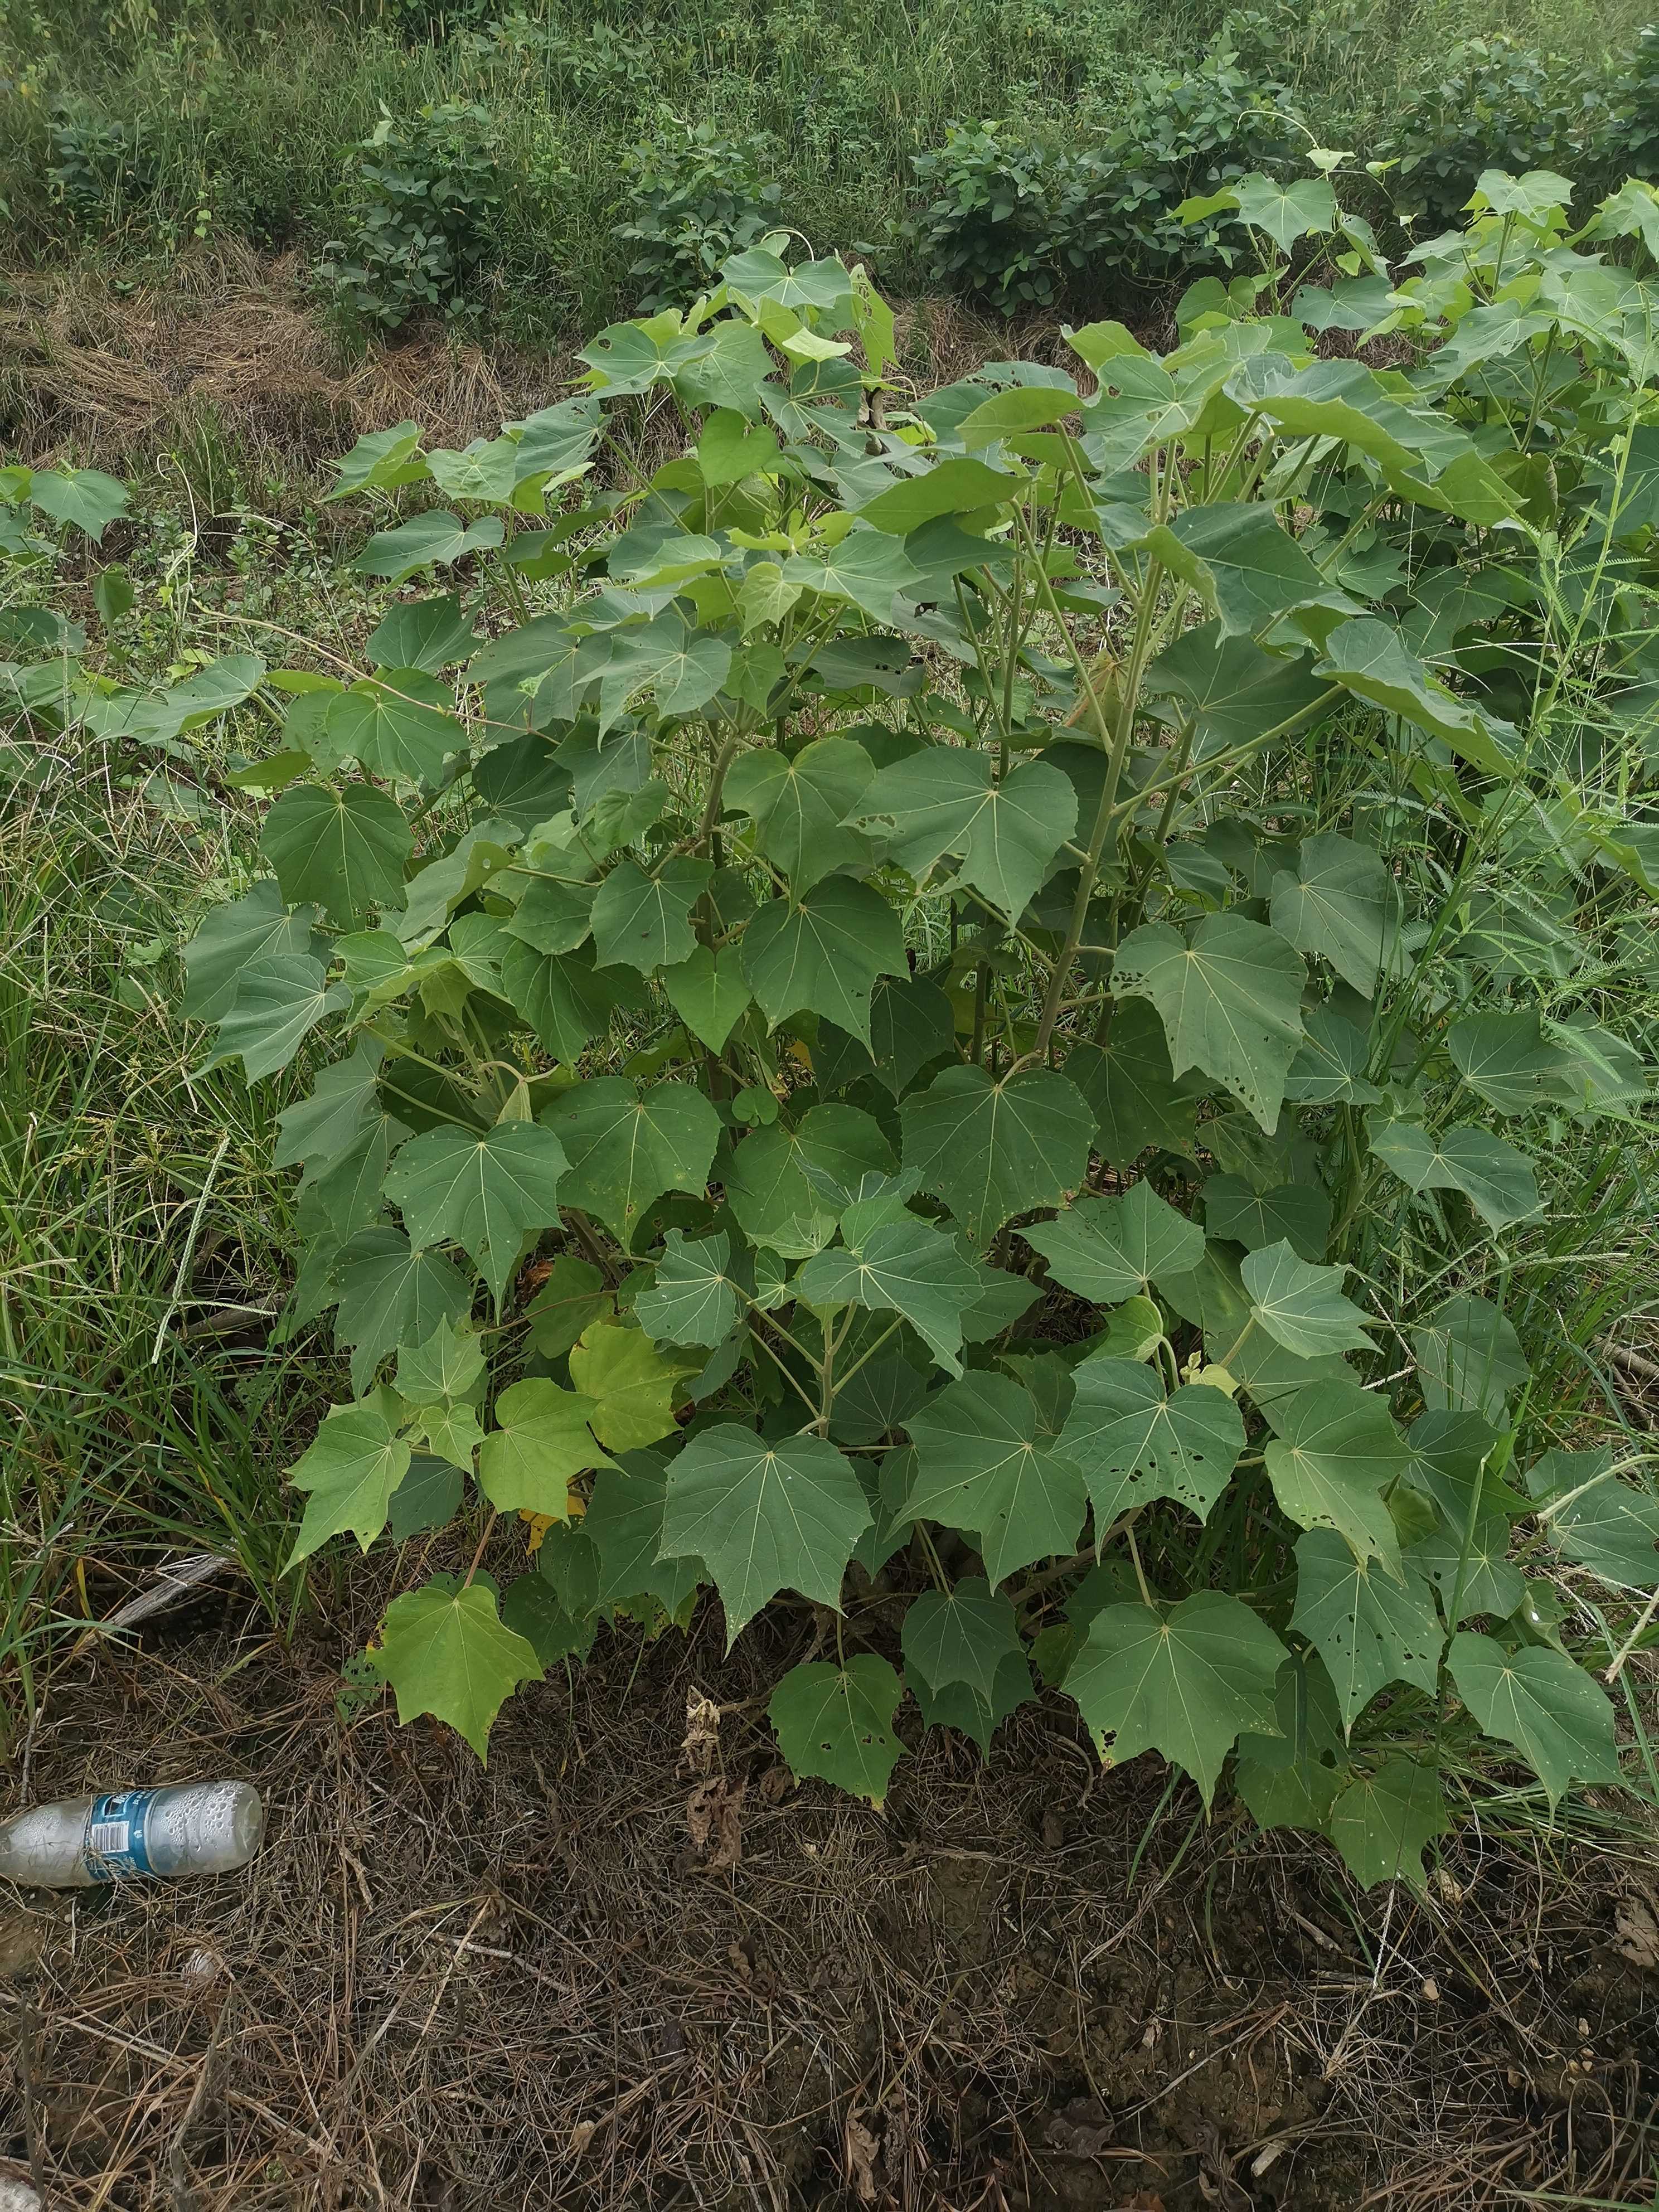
[424, 194]
[1499, 106]
[96, 168]
[1003, 1032]
[694, 201]
[1628, 141]
[1015, 224]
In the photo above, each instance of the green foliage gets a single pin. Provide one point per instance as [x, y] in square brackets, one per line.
[694, 201]
[422, 197]
[1017, 1180]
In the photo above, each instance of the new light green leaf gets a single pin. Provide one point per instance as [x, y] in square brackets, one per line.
[1134, 1443]
[625, 1149]
[836, 1723]
[822, 953]
[485, 1193]
[1183, 1682]
[1300, 1306]
[1382, 1822]
[1335, 1450]
[990, 1149]
[355, 1462]
[634, 1387]
[766, 1516]
[448, 1364]
[1369, 1629]
[1340, 905]
[445, 1652]
[1229, 992]
[948, 799]
[982, 1466]
[541, 1441]
[347, 850]
[1496, 1180]
[906, 1267]
[1285, 212]
[693, 1299]
[1113, 1248]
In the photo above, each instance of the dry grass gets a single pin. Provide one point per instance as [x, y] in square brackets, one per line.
[528, 1987]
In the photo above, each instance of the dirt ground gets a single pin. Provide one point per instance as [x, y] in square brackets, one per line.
[591, 1976]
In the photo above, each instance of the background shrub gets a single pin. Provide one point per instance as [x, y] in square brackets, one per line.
[1499, 106]
[694, 201]
[423, 196]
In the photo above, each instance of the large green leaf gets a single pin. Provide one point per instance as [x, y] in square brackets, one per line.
[435, 539]
[960, 1635]
[1382, 1821]
[1597, 1520]
[1369, 1629]
[955, 485]
[982, 1466]
[349, 1472]
[780, 1179]
[645, 920]
[693, 1299]
[625, 1521]
[1557, 1717]
[1131, 1087]
[866, 567]
[563, 997]
[1302, 1307]
[541, 1443]
[1004, 831]
[1295, 1213]
[800, 801]
[978, 1713]
[279, 1000]
[1342, 905]
[992, 1149]
[1246, 569]
[1230, 995]
[1134, 1443]
[1183, 1681]
[1514, 1062]
[766, 1516]
[836, 1723]
[907, 1268]
[823, 952]
[486, 1194]
[1470, 1569]
[1496, 1180]
[1336, 1449]
[445, 1652]
[1368, 658]
[1286, 212]
[391, 1294]
[399, 725]
[1231, 692]
[237, 936]
[1470, 1358]
[1109, 1249]
[347, 850]
[1289, 1780]
[707, 990]
[626, 1150]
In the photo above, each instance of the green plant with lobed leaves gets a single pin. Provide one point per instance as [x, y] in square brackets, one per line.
[962, 1024]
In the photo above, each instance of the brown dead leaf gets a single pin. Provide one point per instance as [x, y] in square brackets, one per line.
[713, 1817]
[701, 1748]
[862, 2149]
[776, 1784]
[581, 2135]
[1636, 1933]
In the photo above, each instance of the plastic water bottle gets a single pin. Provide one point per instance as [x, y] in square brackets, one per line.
[193, 1828]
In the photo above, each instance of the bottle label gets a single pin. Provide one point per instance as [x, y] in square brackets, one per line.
[116, 1847]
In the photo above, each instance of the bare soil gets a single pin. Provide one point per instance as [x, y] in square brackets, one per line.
[601, 1973]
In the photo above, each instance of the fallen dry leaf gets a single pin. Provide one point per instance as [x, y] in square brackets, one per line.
[713, 1817]
[862, 2150]
[702, 1733]
[1636, 1933]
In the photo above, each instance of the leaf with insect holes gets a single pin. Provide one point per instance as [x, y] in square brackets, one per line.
[1382, 1822]
[1230, 995]
[822, 953]
[693, 1299]
[1340, 905]
[1369, 1629]
[1301, 1306]
[1134, 1443]
[836, 1724]
[1004, 833]
[346, 850]
[485, 1193]
[907, 1268]
[1335, 1450]
[1108, 1249]
[1558, 1718]
[1131, 1087]
[355, 1462]
[766, 1516]
[626, 1149]
[445, 1652]
[541, 1443]
[990, 1149]
[1496, 1180]
[1183, 1680]
[982, 1466]
[962, 1635]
